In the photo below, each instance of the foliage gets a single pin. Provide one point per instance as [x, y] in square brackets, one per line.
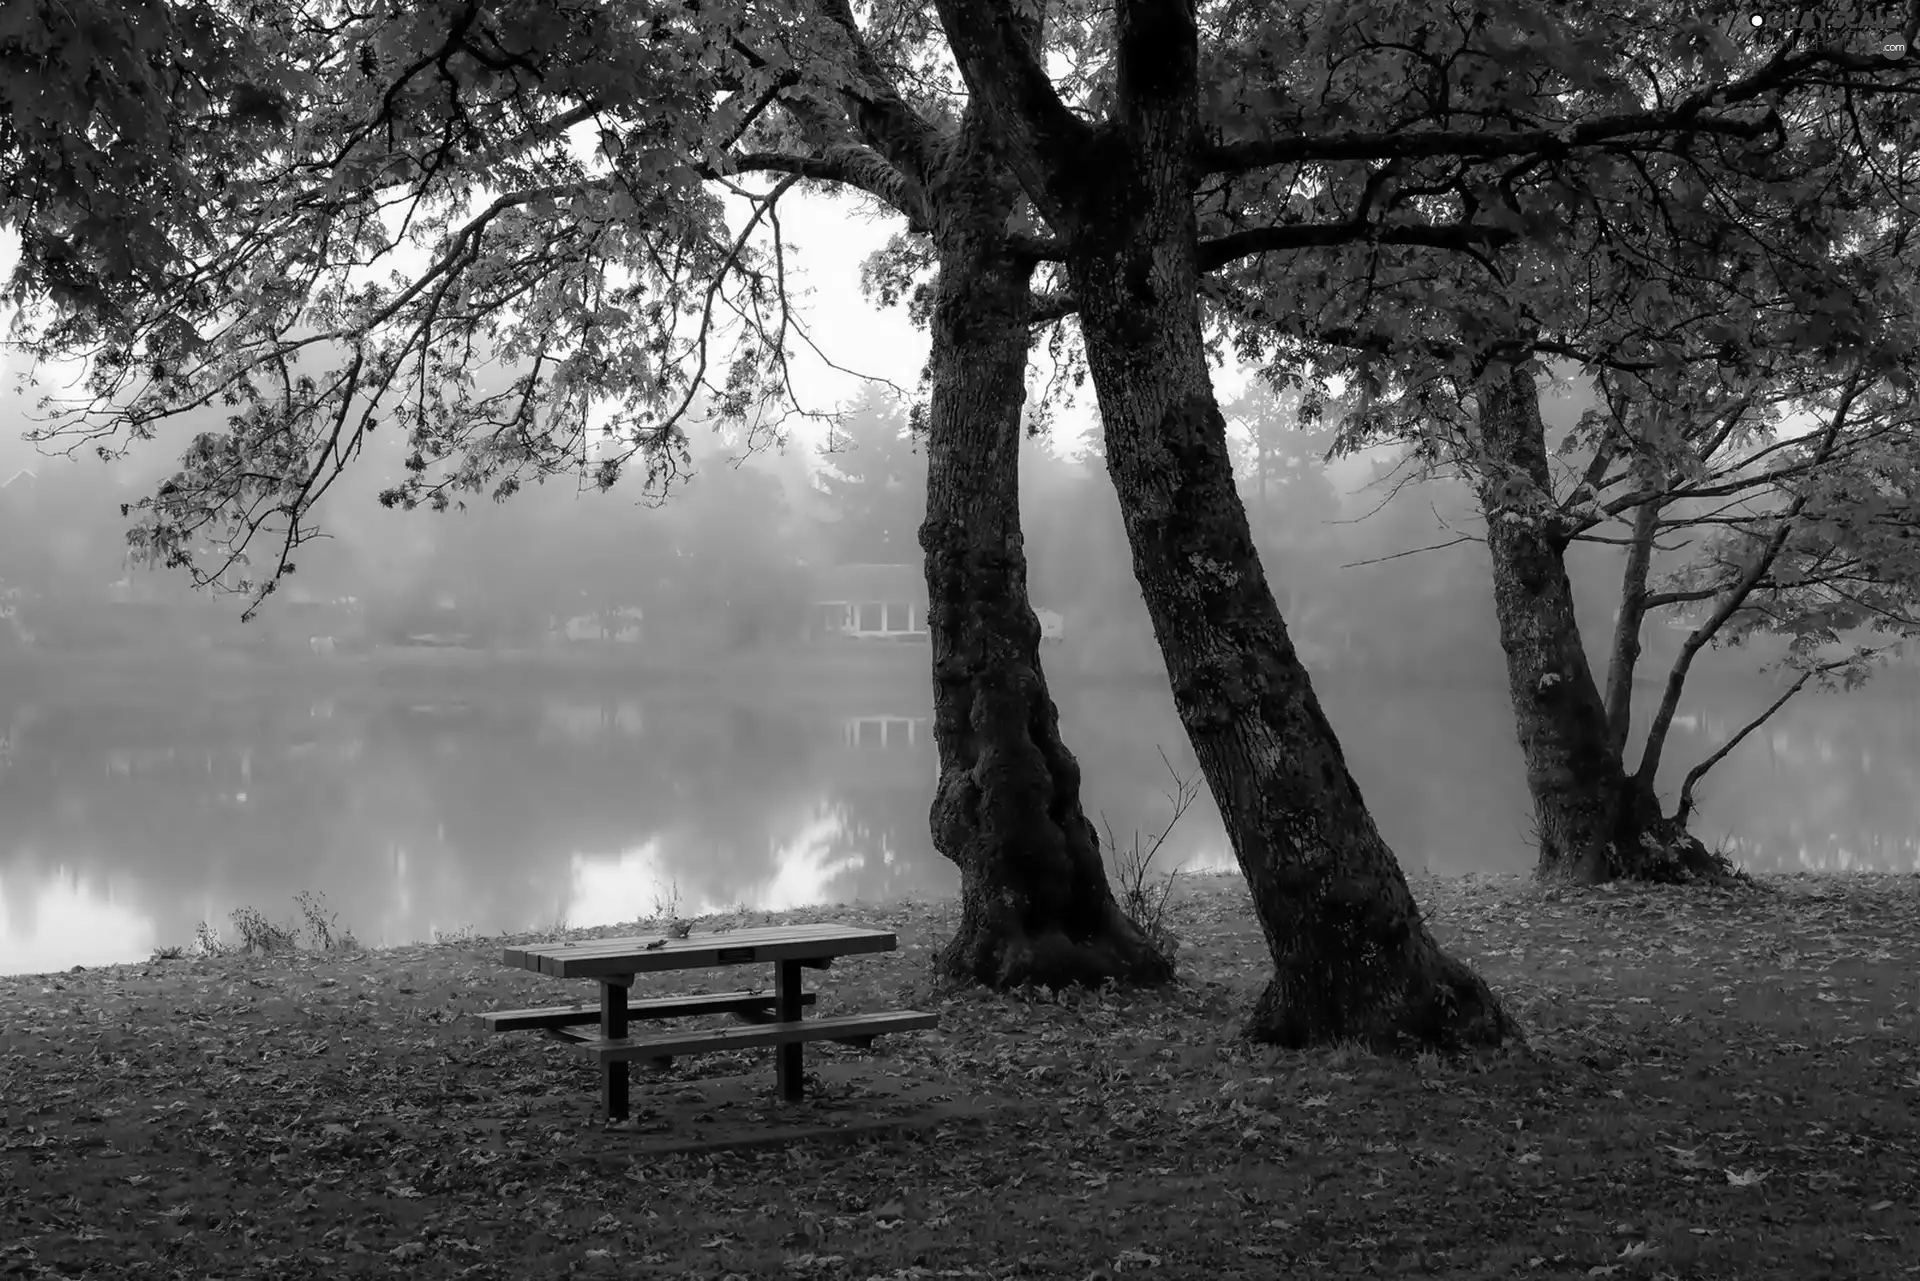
[1706, 282]
[576, 275]
[598, 274]
[258, 934]
[1280, 448]
[874, 475]
[666, 902]
[348, 1115]
[323, 924]
[118, 123]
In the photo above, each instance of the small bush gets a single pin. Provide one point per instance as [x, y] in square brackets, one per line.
[258, 934]
[1146, 904]
[323, 925]
[207, 942]
[666, 901]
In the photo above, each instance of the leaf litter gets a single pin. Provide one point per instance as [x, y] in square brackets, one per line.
[1715, 1084]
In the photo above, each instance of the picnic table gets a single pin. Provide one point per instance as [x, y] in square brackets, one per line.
[774, 1018]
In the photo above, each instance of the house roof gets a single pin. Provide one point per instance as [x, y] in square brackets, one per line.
[871, 582]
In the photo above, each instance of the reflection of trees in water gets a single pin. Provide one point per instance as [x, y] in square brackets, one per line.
[410, 813]
[880, 839]
[1830, 783]
[1117, 732]
[404, 812]
[1439, 768]
[109, 790]
[743, 787]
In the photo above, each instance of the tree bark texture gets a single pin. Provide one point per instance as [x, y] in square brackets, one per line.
[1352, 957]
[1597, 821]
[1036, 906]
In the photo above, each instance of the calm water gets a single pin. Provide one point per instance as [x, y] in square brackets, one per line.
[127, 819]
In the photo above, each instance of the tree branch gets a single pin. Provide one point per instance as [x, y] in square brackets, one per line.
[1659, 600]
[1625, 652]
[891, 126]
[1243, 157]
[852, 165]
[1737, 595]
[1039, 248]
[1694, 775]
[1221, 250]
[1052, 305]
[1690, 115]
[1413, 551]
[1045, 141]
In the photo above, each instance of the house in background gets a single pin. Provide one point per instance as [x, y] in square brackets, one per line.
[870, 602]
[622, 624]
[885, 602]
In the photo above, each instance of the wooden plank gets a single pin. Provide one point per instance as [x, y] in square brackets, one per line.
[572, 1037]
[754, 937]
[529, 955]
[701, 952]
[597, 958]
[838, 1027]
[666, 1007]
[770, 935]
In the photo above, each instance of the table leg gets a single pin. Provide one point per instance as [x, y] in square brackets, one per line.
[788, 1009]
[613, 1074]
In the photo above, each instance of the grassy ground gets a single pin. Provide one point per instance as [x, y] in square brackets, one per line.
[1716, 1086]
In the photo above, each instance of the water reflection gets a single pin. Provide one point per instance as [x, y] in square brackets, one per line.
[128, 821]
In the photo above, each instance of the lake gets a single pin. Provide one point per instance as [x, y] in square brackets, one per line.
[130, 812]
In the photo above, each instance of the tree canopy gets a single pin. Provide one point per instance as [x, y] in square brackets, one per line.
[342, 211]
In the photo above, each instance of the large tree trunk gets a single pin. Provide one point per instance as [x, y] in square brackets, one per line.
[1597, 820]
[1035, 903]
[1352, 957]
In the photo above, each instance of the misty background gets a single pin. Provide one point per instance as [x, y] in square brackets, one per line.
[576, 707]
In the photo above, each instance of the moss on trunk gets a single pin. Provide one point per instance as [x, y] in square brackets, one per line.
[1035, 903]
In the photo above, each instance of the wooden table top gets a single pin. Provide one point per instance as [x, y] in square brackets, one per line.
[653, 953]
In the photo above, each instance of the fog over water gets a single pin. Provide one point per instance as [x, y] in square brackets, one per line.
[463, 804]
[575, 707]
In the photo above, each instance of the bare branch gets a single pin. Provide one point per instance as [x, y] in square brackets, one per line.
[1685, 806]
[1413, 551]
[1737, 594]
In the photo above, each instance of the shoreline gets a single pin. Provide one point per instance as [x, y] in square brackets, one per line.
[1186, 886]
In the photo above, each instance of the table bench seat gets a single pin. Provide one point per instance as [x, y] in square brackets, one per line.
[851, 1029]
[773, 1018]
[745, 1004]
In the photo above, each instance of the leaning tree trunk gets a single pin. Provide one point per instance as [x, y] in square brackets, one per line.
[1035, 903]
[1352, 957]
[1597, 820]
